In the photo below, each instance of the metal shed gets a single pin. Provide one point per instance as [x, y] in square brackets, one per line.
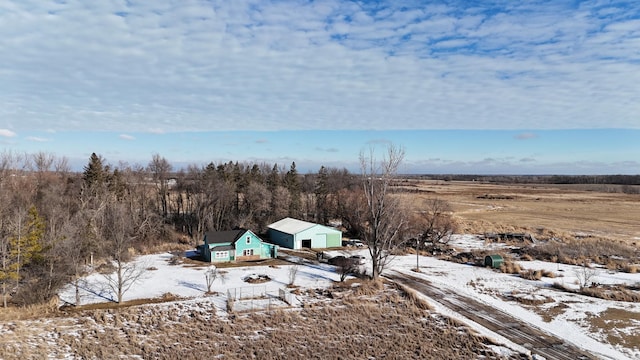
[493, 261]
[298, 234]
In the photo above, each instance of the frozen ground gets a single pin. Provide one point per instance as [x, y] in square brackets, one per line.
[566, 315]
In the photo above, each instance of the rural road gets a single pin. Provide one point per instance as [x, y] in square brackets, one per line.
[517, 331]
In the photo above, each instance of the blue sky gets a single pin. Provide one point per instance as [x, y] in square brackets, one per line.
[517, 87]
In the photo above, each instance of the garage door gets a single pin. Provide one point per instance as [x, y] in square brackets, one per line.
[319, 241]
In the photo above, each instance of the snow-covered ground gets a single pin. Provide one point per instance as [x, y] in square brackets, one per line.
[188, 281]
[563, 314]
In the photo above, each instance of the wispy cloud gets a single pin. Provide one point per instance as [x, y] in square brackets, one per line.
[189, 66]
[7, 133]
[37, 139]
[329, 150]
[126, 137]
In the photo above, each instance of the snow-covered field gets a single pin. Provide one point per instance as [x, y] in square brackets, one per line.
[573, 317]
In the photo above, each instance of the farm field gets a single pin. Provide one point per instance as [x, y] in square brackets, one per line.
[562, 211]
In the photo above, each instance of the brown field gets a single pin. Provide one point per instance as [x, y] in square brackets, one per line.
[564, 211]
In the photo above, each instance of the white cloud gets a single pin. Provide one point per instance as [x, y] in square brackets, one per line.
[36, 139]
[126, 137]
[183, 65]
[7, 133]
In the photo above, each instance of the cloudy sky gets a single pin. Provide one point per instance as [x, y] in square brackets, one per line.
[465, 86]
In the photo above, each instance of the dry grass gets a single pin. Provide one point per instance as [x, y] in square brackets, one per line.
[413, 296]
[510, 267]
[531, 274]
[612, 292]
[546, 211]
[29, 312]
[549, 314]
[619, 326]
[389, 325]
[615, 255]
[166, 297]
[607, 292]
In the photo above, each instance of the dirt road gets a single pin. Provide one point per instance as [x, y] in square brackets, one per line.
[517, 331]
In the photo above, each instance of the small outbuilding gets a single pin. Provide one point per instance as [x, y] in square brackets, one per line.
[494, 261]
[297, 234]
[235, 245]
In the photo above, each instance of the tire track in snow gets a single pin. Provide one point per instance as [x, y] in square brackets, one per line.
[513, 329]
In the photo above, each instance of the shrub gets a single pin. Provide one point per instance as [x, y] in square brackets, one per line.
[531, 274]
[614, 293]
[510, 267]
[526, 257]
[577, 251]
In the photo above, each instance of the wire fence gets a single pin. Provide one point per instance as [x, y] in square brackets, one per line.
[257, 298]
[248, 292]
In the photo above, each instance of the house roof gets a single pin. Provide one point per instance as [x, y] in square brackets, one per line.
[229, 236]
[294, 226]
[213, 247]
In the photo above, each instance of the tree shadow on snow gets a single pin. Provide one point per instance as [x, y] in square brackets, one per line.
[192, 285]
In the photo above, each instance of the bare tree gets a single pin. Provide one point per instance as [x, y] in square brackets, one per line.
[293, 273]
[345, 266]
[435, 225]
[585, 275]
[118, 234]
[160, 169]
[382, 217]
[256, 207]
[210, 276]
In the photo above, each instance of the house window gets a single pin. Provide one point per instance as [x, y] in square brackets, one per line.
[222, 254]
[247, 252]
[248, 239]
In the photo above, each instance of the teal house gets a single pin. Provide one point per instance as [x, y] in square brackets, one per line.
[297, 234]
[235, 245]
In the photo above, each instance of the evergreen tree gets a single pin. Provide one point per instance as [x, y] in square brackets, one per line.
[24, 246]
[95, 174]
[292, 183]
[322, 192]
[273, 179]
[273, 182]
[255, 175]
